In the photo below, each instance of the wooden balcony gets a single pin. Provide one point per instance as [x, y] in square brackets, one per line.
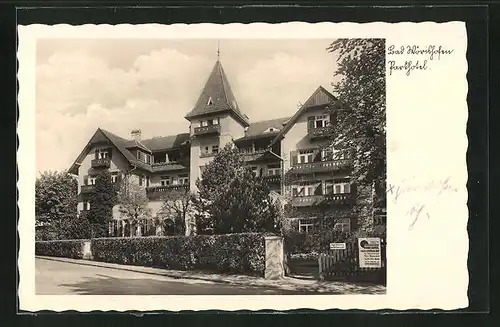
[272, 179]
[321, 166]
[328, 199]
[86, 189]
[317, 133]
[157, 192]
[207, 130]
[100, 163]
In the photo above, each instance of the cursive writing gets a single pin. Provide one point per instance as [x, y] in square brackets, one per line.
[433, 189]
[409, 58]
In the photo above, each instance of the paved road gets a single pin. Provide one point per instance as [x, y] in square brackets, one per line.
[62, 278]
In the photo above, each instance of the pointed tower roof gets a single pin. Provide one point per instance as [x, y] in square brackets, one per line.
[217, 96]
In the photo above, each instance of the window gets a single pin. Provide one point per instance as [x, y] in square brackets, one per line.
[305, 156]
[183, 179]
[273, 170]
[255, 171]
[165, 181]
[210, 102]
[203, 123]
[342, 225]
[341, 188]
[215, 149]
[215, 121]
[91, 180]
[321, 121]
[147, 181]
[202, 169]
[140, 180]
[102, 153]
[305, 225]
[114, 177]
[303, 190]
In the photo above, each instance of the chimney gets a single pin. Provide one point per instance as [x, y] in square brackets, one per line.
[135, 134]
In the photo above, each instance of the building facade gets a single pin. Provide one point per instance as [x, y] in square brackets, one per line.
[290, 146]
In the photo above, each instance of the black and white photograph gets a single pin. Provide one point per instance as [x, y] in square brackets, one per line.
[237, 162]
[210, 167]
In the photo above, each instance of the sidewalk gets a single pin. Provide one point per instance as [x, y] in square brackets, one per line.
[287, 283]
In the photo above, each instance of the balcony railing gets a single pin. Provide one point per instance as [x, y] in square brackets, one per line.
[317, 132]
[321, 166]
[101, 163]
[157, 192]
[85, 189]
[314, 200]
[272, 179]
[204, 130]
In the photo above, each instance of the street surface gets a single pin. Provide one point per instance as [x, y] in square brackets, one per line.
[61, 278]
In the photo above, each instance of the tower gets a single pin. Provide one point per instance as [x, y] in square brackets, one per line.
[215, 120]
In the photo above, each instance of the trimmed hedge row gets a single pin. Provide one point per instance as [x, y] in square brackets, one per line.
[228, 253]
[61, 248]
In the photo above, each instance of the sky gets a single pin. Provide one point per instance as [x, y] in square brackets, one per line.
[124, 84]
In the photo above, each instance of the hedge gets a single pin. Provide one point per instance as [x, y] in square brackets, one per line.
[227, 253]
[61, 248]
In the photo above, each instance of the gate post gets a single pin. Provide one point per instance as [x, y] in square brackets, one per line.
[274, 257]
[87, 250]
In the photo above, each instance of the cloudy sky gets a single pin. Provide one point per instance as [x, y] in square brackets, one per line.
[122, 84]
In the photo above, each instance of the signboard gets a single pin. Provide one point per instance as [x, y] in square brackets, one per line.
[369, 252]
[337, 246]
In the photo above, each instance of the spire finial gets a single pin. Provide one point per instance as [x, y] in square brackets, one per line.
[218, 51]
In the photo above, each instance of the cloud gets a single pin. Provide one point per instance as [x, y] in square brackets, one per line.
[78, 91]
[276, 85]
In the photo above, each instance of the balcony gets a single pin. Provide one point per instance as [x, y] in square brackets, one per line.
[317, 133]
[272, 179]
[157, 192]
[86, 189]
[328, 199]
[321, 166]
[100, 163]
[207, 130]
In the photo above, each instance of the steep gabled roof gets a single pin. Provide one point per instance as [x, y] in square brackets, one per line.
[320, 97]
[217, 96]
[166, 142]
[122, 146]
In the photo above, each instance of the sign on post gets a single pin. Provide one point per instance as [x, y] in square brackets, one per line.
[369, 252]
[337, 246]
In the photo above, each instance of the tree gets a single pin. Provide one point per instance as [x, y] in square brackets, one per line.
[177, 209]
[55, 197]
[133, 203]
[231, 199]
[360, 121]
[102, 201]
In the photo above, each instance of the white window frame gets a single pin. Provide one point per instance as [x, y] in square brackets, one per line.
[215, 148]
[86, 205]
[215, 121]
[210, 101]
[305, 156]
[305, 190]
[324, 119]
[102, 153]
[203, 123]
[341, 188]
[305, 225]
[273, 171]
[114, 178]
[91, 180]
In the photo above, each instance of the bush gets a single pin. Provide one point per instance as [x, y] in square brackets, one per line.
[313, 242]
[229, 253]
[63, 248]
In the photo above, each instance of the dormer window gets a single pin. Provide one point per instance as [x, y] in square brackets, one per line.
[271, 130]
[210, 102]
